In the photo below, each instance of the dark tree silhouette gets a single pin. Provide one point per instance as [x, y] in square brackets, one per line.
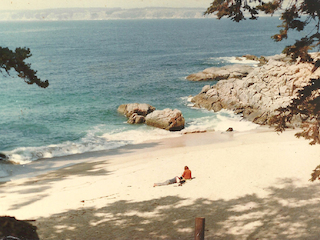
[16, 60]
[295, 15]
[11, 228]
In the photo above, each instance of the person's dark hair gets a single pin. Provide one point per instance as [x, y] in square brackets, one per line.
[186, 167]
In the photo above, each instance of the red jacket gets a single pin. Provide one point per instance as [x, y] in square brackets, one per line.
[186, 174]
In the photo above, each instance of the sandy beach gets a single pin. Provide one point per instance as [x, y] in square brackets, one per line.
[251, 185]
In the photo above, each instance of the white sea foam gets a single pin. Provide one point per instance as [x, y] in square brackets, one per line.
[89, 143]
[25, 155]
[141, 135]
[228, 119]
[96, 140]
[221, 121]
[235, 60]
[243, 60]
[187, 101]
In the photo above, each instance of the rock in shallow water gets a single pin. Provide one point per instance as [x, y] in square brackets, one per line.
[138, 108]
[3, 157]
[168, 119]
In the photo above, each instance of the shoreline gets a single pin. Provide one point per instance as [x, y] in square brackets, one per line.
[253, 184]
[46, 165]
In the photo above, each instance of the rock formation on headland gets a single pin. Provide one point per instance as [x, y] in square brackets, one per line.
[229, 71]
[261, 92]
[219, 73]
[168, 119]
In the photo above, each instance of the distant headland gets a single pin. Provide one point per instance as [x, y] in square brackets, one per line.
[78, 14]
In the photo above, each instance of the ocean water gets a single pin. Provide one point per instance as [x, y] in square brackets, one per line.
[94, 66]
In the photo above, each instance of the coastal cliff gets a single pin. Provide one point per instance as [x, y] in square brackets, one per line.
[257, 95]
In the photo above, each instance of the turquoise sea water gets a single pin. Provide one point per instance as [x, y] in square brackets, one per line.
[94, 66]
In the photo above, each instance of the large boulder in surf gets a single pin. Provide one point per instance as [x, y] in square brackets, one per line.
[138, 108]
[168, 119]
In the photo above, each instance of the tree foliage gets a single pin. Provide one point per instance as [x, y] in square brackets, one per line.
[295, 15]
[315, 174]
[15, 60]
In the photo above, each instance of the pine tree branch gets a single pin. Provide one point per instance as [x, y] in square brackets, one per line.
[16, 60]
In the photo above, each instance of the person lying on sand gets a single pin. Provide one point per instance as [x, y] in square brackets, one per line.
[185, 175]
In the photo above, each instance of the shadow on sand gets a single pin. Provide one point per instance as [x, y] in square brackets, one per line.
[35, 187]
[289, 212]
[43, 166]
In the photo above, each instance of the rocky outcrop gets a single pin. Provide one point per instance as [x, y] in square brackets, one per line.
[138, 108]
[167, 119]
[233, 71]
[262, 60]
[219, 73]
[263, 90]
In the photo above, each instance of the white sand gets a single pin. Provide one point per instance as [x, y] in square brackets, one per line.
[247, 186]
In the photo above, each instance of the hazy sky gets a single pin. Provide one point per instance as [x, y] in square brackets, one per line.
[43, 4]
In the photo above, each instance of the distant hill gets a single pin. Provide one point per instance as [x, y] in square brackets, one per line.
[73, 14]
